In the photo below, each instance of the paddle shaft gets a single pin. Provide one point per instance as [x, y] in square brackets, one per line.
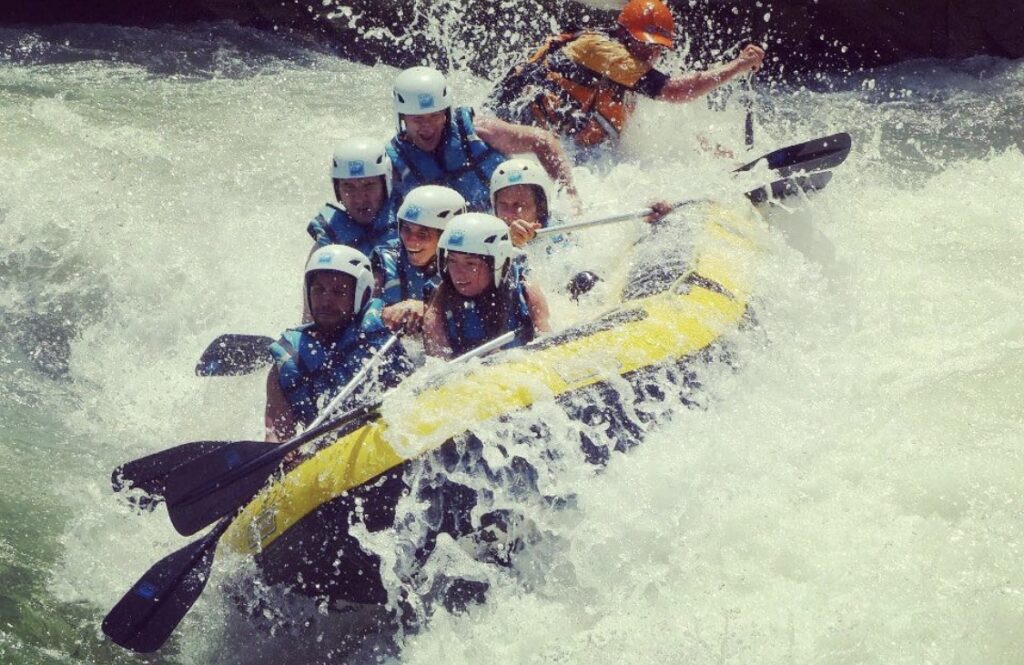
[197, 504]
[485, 348]
[612, 219]
[323, 424]
[815, 155]
[748, 103]
[356, 380]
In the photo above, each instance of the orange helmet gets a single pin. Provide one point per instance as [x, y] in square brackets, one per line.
[648, 21]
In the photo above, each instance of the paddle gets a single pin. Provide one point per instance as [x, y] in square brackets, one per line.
[150, 611]
[237, 354]
[780, 189]
[234, 355]
[146, 616]
[197, 490]
[150, 473]
[204, 489]
[816, 155]
[805, 160]
[748, 104]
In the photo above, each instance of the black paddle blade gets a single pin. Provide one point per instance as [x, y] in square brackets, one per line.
[793, 186]
[815, 155]
[218, 484]
[203, 490]
[235, 355]
[147, 615]
[149, 473]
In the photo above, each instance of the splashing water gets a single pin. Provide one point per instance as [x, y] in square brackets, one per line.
[850, 493]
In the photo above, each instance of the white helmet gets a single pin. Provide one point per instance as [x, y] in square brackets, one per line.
[481, 234]
[520, 171]
[431, 206]
[361, 157]
[419, 91]
[346, 260]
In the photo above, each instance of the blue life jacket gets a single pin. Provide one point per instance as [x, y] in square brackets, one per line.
[401, 279]
[334, 226]
[311, 373]
[465, 325]
[462, 161]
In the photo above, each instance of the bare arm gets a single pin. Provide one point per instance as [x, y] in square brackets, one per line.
[509, 139]
[277, 418]
[435, 337]
[697, 84]
[538, 305]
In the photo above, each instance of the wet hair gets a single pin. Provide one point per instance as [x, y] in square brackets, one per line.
[543, 213]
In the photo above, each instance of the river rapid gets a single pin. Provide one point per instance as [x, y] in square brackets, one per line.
[850, 493]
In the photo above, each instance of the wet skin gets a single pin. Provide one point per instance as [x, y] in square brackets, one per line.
[420, 242]
[470, 273]
[518, 207]
[362, 197]
[426, 131]
[331, 297]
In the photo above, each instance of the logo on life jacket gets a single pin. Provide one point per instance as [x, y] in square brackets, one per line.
[412, 213]
[356, 169]
[426, 100]
[457, 239]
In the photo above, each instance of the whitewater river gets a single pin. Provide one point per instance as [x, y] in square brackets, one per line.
[851, 494]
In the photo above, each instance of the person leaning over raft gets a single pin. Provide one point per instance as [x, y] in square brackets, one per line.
[405, 270]
[361, 176]
[584, 85]
[437, 144]
[314, 361]
[481, 295]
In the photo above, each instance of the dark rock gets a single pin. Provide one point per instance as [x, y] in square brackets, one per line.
[804, 36]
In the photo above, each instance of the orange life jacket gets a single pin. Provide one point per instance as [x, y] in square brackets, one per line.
[586, 80]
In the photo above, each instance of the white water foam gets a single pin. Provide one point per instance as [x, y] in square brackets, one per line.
[851, 493]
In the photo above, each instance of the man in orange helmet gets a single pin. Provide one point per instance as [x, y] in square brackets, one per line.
[584, 85]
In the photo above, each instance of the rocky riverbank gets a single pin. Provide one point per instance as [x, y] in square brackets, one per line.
[804, 36]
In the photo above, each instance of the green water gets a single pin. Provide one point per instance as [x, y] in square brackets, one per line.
[852, 495]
